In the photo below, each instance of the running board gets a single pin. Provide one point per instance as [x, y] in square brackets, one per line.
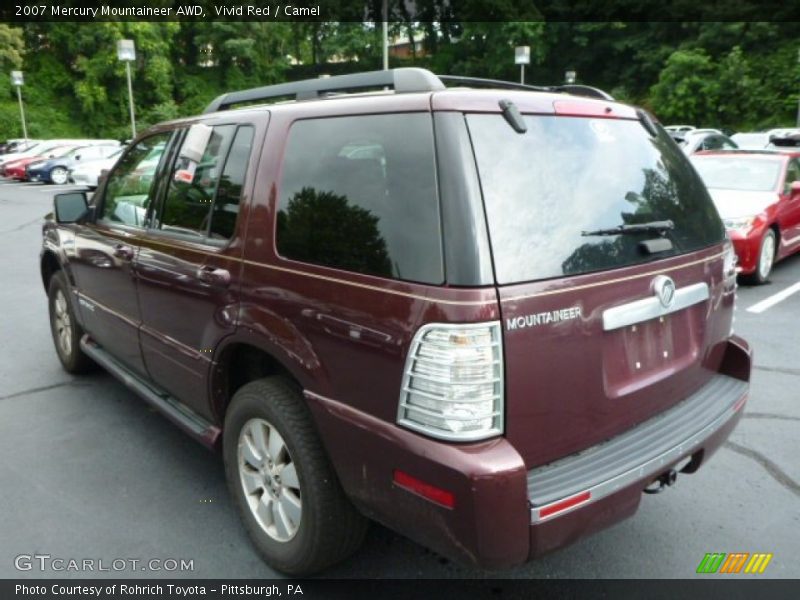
[185, 418]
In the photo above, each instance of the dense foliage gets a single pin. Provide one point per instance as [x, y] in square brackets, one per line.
[740, 75]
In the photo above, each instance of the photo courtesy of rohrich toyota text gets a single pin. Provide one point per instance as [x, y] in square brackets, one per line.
[156, 590]
[399, 299]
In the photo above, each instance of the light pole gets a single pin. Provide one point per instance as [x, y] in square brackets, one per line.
[522, 57]
[17, 80]
[385, 36]
[570, 76]
[126, 52]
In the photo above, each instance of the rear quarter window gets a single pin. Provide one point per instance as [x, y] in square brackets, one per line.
[570, 175]
[359, 194]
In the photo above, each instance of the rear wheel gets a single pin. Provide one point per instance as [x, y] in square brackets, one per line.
[58, 176]
[282, 482]
[64, 327]
[766, 258]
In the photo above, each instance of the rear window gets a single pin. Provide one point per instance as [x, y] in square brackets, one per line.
[747, 174]
[567, 176]
[359, 194]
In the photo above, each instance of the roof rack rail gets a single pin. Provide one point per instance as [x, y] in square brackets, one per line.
[583, 90]
[577, 90]
[404, 80]
[495, 83]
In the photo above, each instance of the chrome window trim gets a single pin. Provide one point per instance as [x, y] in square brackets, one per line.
[650, 308]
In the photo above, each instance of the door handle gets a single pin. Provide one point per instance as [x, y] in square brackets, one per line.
[214, 275]
[123, 251]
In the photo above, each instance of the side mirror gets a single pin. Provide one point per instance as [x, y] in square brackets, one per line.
[70, 206]
[794, 188]
[77, 157]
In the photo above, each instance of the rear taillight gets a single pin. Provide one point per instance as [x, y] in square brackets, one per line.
[729, 261]
[453, 382]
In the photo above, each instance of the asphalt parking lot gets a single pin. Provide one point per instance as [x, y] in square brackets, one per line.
[88, 471]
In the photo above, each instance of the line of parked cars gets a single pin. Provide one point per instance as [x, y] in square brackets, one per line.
[58, 161]
[754, 180]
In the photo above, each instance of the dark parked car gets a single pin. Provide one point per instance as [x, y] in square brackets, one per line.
[487, 318]
[757, 194]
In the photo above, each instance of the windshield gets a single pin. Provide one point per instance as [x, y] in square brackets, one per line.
[569, 175]
[743, 173]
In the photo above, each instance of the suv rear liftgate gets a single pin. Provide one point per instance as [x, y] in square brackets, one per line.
[616, 289]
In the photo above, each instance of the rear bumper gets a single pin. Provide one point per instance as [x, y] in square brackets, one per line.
[505, 514]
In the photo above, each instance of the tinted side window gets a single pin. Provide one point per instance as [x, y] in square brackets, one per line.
[229, 192]
[192, 186]
[130, 185]
[359, 193]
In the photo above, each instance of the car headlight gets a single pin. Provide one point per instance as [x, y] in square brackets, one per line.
[739, 224]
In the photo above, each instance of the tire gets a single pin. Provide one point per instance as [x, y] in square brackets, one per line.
[766, 259]
[58, 176]
[64, 327]
[300, 522]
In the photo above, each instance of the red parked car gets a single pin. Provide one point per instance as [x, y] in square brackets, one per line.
[757, 194]
[487, 318]
[16, 169]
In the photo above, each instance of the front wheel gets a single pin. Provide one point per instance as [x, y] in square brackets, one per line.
[66, 331]
[766, 258]
[282, 482]
[58, 176]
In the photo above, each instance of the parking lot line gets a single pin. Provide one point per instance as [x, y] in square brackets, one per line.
[771, 301]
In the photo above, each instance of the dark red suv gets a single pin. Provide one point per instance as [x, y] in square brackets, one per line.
[487, 318]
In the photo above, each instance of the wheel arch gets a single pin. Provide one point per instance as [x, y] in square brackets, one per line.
[777, 231]
[240, 359]
[48, 265]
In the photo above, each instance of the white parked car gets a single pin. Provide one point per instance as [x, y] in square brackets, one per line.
[87, 173]
[698, 140]
[751, 141]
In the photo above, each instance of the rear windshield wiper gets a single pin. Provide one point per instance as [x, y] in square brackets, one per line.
[652, 227]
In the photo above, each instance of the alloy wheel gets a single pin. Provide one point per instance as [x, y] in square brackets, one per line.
[767, 256]
[58, 176]
[62, 324]
[269, 480]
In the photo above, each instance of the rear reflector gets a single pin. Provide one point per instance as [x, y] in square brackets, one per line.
[566, 503]
[740, 403]
[426, 490]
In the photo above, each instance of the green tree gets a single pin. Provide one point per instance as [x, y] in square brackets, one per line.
[12, 47]
[688, 89]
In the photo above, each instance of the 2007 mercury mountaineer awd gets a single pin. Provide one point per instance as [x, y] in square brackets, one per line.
[483, 314]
